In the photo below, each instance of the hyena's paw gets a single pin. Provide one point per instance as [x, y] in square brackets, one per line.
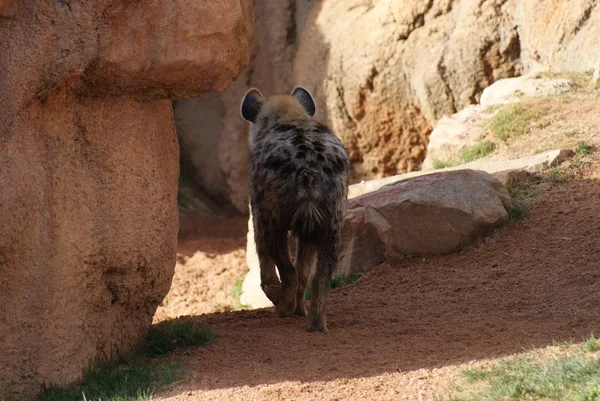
[273, 292]
[300, 307]
[286, 307]
[316, 322]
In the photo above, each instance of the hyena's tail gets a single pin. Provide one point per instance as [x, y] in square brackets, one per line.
[309, 218]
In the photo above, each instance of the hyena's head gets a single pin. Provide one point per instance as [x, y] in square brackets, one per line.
[259, 110]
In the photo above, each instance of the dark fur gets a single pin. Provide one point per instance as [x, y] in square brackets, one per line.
[298, 186]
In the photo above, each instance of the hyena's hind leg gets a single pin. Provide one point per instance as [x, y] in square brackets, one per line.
[269, 282]
[327, 255]
[278, 249]
[305, 257]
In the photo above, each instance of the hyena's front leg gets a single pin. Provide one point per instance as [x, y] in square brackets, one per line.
[269, 282]
[327, 259]
[278, 245]
[305, 255]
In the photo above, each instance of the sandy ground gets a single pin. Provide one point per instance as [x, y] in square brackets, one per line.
[211, 257]
[405, 330]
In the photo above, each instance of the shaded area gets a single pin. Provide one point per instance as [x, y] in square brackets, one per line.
[530, 283]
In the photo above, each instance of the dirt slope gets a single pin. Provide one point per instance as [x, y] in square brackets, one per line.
[402, 331]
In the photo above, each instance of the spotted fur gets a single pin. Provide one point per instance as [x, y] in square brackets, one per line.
[298, 190]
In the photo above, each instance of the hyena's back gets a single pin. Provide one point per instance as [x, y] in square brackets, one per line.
[299, 177]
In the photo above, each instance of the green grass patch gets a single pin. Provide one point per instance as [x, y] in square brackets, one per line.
[556, 175]
[438, 164]
[583, 149]
[130, 379]
[572, 375]
[477, 151]
[518, 195]
[167, 336]
[138, 375]
[517, 211]
[336, 282]
[467, 154]
[515, 120]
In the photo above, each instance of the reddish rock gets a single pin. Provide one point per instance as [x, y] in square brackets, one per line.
[436, 213]
[89, 169]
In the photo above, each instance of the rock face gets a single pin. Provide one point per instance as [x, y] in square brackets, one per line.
[558, 35]
[429, 214]
[89, 169]
[384, 72]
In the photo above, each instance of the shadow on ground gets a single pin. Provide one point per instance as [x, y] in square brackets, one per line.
[532, 282]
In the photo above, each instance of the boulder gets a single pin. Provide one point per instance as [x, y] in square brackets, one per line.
[89, 169]
[428, 215]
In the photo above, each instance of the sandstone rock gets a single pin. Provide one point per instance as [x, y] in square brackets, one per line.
[528, 86]
[88, 211]
[452, 133]
[392, 70]
[381, 74]
[558, 35]
[436, 213]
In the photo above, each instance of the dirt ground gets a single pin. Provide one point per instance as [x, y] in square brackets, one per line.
[211, 257]
[406, 330]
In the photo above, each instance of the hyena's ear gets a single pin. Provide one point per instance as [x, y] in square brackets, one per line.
[251, 105]
[306, 100]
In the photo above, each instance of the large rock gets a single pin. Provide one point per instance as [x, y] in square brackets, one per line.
[428, 215]
[434, 213]
[89, 169]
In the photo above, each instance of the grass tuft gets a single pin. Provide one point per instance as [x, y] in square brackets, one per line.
[166, 336]
[236, 293]
[515, 120]
[438, 164]
[556, 175]
[477, 151]
[592, 344]
[467, 154]
[473, 375]
[583, 149]
[130, 379]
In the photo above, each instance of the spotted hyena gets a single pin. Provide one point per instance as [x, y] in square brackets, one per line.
[298, 186]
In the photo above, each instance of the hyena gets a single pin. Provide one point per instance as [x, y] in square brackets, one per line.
[298, 186]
